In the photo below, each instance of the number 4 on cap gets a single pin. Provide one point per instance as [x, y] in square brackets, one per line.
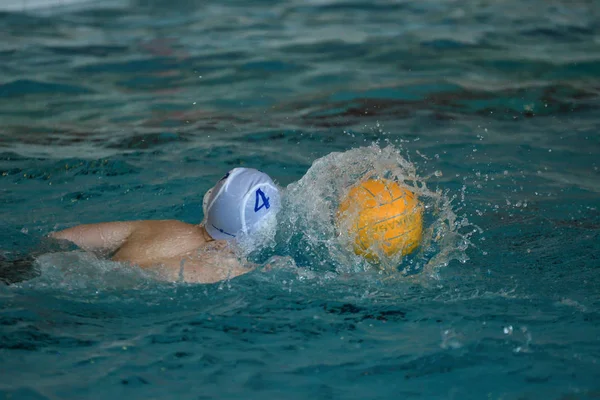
[261, 201]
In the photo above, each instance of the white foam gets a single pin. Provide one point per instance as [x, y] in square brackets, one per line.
[76, 270]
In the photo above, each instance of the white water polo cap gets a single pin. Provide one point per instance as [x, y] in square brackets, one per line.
[240, 204]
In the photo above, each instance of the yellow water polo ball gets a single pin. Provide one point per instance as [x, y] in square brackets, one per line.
[381, 218]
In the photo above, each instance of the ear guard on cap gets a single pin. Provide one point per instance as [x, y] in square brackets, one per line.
[205, 200]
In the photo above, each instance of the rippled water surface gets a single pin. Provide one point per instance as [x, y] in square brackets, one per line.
[130, 110]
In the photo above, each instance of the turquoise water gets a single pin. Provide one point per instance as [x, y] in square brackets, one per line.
[131, 110]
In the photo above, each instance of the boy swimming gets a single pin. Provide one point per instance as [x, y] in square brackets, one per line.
[241, 204]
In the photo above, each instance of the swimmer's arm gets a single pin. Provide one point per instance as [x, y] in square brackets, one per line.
[225, 268]
[106, 236]
[207, 270]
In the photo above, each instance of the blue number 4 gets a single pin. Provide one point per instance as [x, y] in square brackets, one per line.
[261, 201]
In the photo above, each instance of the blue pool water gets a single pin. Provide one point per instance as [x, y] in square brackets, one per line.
[132, 109]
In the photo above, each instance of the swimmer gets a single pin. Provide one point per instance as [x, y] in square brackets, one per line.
[241, 204]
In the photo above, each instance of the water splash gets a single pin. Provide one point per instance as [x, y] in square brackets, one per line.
[307, 223]
[82, 271]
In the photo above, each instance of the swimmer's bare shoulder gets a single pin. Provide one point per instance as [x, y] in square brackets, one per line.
[181, 250]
